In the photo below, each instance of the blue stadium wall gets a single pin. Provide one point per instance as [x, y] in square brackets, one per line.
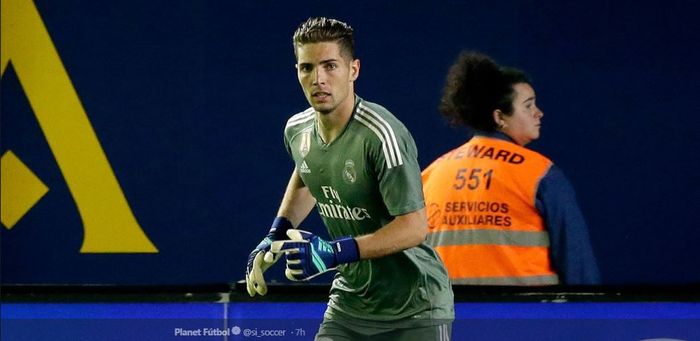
[142, 141]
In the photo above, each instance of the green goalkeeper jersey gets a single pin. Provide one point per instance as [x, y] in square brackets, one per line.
[363, 179]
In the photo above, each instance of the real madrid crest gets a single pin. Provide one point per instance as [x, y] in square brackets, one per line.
[305, 144]
[349, 173]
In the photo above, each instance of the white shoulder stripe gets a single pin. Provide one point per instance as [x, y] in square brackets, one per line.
[393, 141]
[301, 117]
[387, 157]
[389, 151]
[389, 137]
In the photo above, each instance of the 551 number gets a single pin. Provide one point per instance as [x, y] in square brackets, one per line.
[472, 179]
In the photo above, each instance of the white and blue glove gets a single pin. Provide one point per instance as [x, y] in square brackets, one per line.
[261, 258]
[309, 256]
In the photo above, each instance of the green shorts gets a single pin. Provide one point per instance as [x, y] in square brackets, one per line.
[334, 331]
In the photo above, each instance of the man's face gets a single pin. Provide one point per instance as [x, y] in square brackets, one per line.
[326, 76]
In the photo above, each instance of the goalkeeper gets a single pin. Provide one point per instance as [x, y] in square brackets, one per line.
[357, 164]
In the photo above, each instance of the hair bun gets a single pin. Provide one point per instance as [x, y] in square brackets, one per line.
[475, 87]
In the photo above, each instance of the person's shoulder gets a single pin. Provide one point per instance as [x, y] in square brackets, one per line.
[299, 122]
[555, 183]
[556, 175]
[537, 154]
[379, 119]
[371, 109]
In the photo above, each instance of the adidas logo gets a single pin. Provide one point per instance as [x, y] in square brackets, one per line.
[304, 168]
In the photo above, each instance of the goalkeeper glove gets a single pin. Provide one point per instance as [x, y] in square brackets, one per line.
[261, 258]
[309, 256]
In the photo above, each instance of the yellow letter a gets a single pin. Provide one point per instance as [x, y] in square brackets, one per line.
[108, 222]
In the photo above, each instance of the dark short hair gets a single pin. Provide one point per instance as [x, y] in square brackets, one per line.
[475, 87]
[320, 29]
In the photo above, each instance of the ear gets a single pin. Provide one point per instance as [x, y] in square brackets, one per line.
[354, 69]
[498, 117]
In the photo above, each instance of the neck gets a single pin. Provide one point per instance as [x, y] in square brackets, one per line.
[331, 125]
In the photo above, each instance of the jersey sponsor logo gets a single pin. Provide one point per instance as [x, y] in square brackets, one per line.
[338, 211]
[304, 168]
[305, 144]
[334, 208]
[385, 133]
[349, 173]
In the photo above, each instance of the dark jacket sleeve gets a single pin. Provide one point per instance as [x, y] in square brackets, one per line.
[571, 252]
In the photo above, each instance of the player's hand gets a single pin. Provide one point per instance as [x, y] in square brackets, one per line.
[309, 256]
[261, 258]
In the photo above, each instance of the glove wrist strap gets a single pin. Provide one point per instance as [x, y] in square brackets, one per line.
[279, 228]
[346, 250]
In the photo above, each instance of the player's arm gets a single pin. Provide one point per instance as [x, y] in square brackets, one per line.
[297, 202]
[296, 205]
[309, 255]
[570, 247]
[404, 232]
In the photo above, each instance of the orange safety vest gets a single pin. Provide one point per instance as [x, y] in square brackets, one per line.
[480, 201]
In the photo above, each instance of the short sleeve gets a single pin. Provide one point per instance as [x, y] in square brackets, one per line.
[399, 174]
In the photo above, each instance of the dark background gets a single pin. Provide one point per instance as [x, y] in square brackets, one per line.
[189, 100]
